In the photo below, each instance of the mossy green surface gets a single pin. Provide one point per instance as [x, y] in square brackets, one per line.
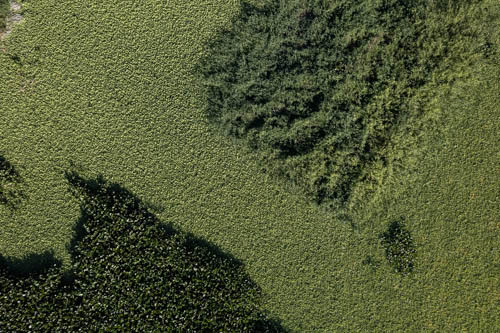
[109, 86]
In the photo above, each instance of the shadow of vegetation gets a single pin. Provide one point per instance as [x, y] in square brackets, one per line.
[129, 268]
[192, 250]
[11, 194]
[193, 242]
[79, 232]
[32, 264]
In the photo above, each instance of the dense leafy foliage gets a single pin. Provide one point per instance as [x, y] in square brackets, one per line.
[399, 247]
[130, 272]
[320, 87]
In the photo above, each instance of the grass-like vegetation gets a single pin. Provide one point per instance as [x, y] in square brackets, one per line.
[110, 87]
[320, 87]
[324, 89]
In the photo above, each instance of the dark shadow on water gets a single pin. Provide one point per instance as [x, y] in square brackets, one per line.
[125, 198]
[193, 242]
[79, 232]
[123, 212]
[121, 201]
[32, 264]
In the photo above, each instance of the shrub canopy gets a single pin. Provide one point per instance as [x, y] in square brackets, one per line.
[320, 87]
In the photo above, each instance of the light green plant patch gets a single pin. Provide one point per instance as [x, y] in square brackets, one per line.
[109, 86]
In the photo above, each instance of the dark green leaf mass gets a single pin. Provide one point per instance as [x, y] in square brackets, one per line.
[319, 87]
[399, 247]
[130, 273]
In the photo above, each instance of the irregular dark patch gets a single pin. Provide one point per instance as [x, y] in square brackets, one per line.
[131, 272]
[11, 194]
[371, 262]
[399, 247]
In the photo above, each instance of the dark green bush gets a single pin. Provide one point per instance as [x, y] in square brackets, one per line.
[399, 247]
[130, 272]
[319, 87]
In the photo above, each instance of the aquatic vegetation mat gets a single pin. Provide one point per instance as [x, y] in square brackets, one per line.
[113, 87]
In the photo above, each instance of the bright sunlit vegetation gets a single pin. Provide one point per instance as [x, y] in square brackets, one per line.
[298, 165]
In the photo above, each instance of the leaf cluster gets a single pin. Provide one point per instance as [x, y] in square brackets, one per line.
[399, 247]
[130, 272]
